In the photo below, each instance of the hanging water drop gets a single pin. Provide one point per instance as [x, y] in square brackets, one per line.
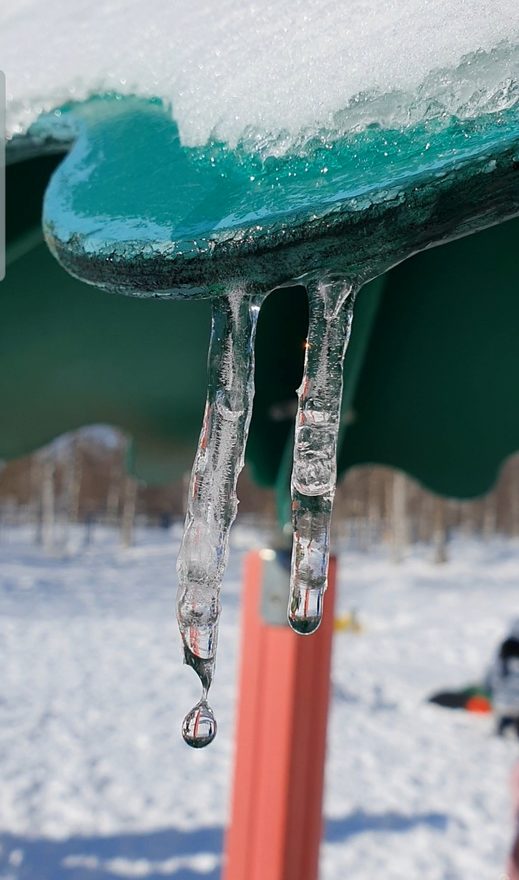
[314, 470]
[212, 501]
[199, 725]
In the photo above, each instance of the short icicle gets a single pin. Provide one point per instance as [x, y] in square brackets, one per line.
[314, 471]
[212, 501]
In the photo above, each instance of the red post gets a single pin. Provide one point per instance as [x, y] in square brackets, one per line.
[276, 821]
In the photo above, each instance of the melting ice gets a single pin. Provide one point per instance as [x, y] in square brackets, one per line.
[268, 76]
[273, 68]
[212, 501]
[314, 469]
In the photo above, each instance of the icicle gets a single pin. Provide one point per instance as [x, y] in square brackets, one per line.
[212, 502]
[315, 448]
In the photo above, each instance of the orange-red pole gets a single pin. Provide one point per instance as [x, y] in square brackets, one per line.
[276, 821]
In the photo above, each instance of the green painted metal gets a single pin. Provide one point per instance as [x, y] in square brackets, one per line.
[72, 356]
[438, 395]
[433, 363]
[132, 210]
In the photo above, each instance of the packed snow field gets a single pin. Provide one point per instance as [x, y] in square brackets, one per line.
[97, 783]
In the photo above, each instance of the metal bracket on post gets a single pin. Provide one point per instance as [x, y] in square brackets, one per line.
[275, 587]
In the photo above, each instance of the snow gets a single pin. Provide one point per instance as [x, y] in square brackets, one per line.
[97, 783]
[275, 67]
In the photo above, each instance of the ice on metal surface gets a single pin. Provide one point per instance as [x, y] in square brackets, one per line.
[314, 471]
[263, 70]
[212, 501]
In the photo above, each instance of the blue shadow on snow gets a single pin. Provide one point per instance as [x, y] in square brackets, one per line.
[43, 859]
[87, 858]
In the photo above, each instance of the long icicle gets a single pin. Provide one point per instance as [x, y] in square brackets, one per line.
[212, 501]
[314, 470]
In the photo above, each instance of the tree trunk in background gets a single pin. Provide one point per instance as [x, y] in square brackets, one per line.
[375, 504]
[128, 513]
[440, 531]
[48, 505]
[489, 518]
[113, 497]
[514, 511]
[400, 535]
[74, 474]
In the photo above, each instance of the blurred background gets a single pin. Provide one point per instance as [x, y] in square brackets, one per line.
[81, 480]
[96, 781]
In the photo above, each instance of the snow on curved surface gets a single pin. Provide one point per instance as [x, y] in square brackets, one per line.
[97, 783]
[278, 67]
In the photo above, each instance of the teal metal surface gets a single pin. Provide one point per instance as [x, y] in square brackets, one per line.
[431, 375]
[132, 210]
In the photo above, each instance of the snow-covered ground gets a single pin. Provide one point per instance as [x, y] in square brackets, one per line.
[96, 783]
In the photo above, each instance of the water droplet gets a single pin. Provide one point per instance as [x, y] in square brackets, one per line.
[199, 726]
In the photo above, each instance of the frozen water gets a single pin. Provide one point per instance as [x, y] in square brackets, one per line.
[314, 471]
[275, 68]
[199, 727]
[212, 502]
[270, 76]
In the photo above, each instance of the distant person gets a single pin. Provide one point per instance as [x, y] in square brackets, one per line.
[165, 519]
[503, 681]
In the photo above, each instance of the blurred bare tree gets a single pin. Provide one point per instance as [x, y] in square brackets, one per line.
[81, 478]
